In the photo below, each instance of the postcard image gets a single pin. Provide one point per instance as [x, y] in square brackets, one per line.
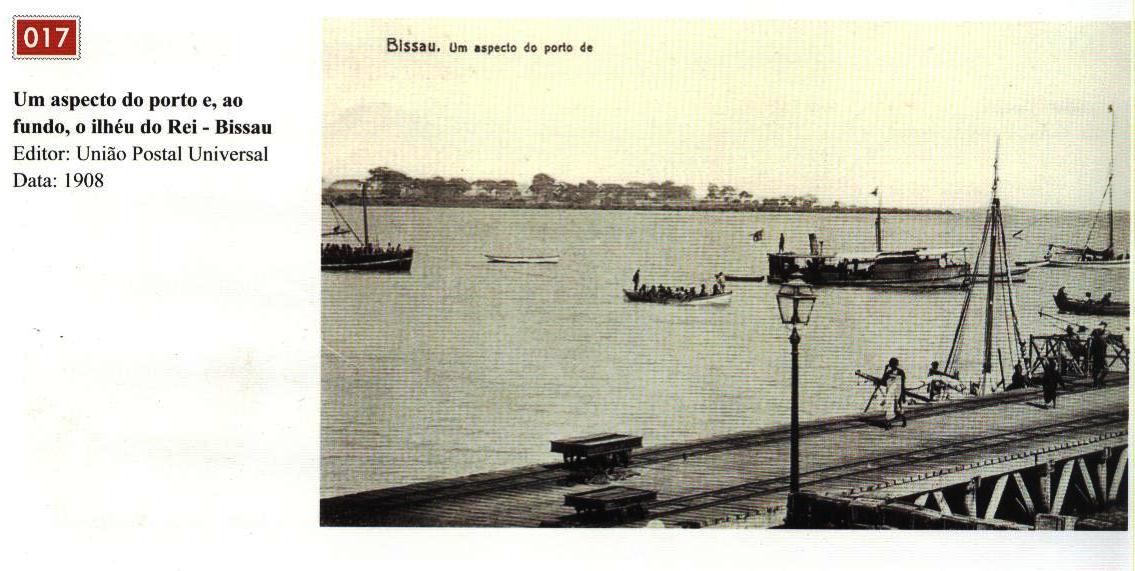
[730, 274]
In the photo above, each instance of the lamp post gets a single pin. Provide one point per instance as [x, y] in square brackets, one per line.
[795, 300]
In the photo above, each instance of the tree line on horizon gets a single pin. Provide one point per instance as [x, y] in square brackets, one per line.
[387, 183]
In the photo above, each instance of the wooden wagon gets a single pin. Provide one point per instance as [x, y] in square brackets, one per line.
[597, 450]
[613, 503]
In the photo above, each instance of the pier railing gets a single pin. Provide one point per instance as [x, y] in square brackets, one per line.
[1072, 354]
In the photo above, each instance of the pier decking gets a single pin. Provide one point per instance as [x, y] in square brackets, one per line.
[742, 479]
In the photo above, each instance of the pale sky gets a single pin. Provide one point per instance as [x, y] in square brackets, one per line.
[828, 108]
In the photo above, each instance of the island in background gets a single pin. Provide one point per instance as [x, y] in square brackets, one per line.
[387, 187]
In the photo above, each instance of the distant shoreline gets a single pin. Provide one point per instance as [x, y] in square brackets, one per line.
[700, 206]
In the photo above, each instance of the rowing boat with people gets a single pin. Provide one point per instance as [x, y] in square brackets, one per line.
[1078, 306]
[372, 263]
[365, 257]
[711, 299]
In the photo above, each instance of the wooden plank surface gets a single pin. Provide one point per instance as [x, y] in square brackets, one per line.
[868, 446]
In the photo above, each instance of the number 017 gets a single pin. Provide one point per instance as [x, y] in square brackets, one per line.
[32, 36]
[48, 37]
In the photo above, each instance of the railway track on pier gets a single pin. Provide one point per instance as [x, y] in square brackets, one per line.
[674, 506]
[344, 510]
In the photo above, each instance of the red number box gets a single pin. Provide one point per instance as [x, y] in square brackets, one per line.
[45, 37]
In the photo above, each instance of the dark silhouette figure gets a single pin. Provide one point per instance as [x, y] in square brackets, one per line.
[1020, 381]
[1050, 380]
[1097, 348]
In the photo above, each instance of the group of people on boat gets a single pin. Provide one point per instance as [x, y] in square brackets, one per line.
[1062, 296]
[346, 253]
[662, 292]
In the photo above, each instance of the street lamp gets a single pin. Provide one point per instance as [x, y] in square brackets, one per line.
[795, 300]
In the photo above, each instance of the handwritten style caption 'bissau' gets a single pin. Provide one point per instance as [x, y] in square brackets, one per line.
[396, 45]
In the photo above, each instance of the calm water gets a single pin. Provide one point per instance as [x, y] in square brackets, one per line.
[463, 366]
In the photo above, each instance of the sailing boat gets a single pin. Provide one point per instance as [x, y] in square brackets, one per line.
[998, 261]
[365, 257]
[993, 259]
[1086, 256]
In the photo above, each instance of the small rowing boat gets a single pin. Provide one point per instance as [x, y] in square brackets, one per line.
[522, 259]
[730, 278]
[1017, 273]
[1075, 263]
[1089, 307]
[719, 299]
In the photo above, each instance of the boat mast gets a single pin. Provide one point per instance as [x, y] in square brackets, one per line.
[994, 220]
[993, 238]
[366, 228]
[1110, 194]
[1107, 193]
[878, 222]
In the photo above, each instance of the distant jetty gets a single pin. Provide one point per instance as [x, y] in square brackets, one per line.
[388, 187]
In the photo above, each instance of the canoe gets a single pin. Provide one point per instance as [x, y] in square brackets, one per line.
[523, 259]
[719, 299]
[1083, 307]
[1054, 263]
[1018, 275]
[744, 278]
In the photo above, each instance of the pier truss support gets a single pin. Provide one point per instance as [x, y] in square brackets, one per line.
[1071, 352]
[1045, 494]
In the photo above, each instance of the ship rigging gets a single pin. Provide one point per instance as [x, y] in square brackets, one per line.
[993, 253]
[1086, 256]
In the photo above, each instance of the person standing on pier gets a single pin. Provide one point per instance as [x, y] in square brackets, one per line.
[895, 379]
[781, 247]
[1050, 380]
[1098, 350]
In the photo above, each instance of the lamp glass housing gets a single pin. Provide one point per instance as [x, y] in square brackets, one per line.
[795, 300]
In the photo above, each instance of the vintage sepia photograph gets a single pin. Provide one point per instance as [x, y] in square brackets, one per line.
[725, 274]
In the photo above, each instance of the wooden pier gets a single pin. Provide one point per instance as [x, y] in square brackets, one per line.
[741, 479]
